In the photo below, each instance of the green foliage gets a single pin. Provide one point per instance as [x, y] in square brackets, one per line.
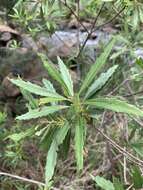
[58, 138]
[138, 147]
[3, 117]
[40, 112]
[71, 107]
[100, 82]
[137, 177]
[100, 62]
[107, 184]
[115, 105]
[16, 137]
[79, 141]
[68, 111]
[103, 183]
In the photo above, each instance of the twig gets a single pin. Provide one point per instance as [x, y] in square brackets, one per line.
[109, 21]
[120, 149]
[116, 88]
[92, 29]
[125, 168]
[130, 187]
[22, 178]
[76, 16]
[133, 94]
[78, 40]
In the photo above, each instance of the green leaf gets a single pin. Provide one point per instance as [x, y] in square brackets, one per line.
[141, 13]
[117, 184]
[49, 86]
[138, 147]
[52, 153]
[100, 62]
[28, 96]
[16, 137]
[137, 177]
[53, 72]
[48, 100]
[135, 18]
[66, 76]
[40, 112]
[103, 183]
[47, 137]
[35, 89]
[64, 148]
[79, 141]
[115, 105]
[100, 82]
[139, 62]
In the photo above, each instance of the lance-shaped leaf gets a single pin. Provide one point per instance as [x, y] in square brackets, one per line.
[100, 62]
[66, 76]
[103, 183]
[33, 103]
[100, 82]
[19, 136]
[52, 153]
[53, 72]
[79, 141]
[36, 89]
[48, 85]
[40, 112]
[115, 105]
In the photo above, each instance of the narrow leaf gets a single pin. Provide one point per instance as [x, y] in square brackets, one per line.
[100, 62]
[33, 103]
[40, 112]
[19, 136]
[66, 76]
[115, 105]
[53, 72]
[48, 85]
[52, 153]
[103, 183]
[35, 89]
[100, 82]
[79, 142]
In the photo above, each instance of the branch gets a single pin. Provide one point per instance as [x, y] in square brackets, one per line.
[111, 20]
[76, 16]
[122, 150]
[133, 94]
[92, 30]
[22, 178]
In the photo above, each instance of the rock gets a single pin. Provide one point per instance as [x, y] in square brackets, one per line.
[7, 34]
[21, 62]
[9, 89]
[59, 44]
[28, 43]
